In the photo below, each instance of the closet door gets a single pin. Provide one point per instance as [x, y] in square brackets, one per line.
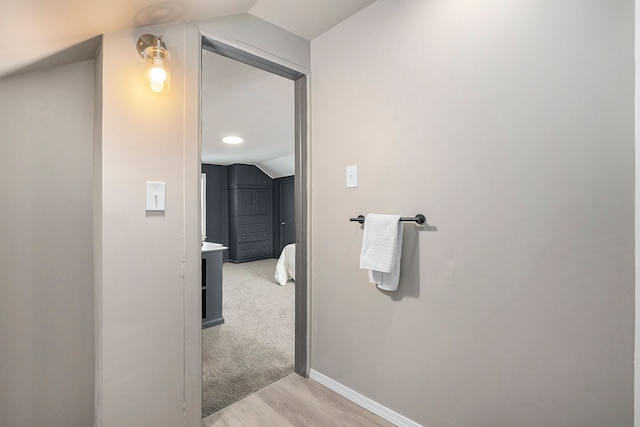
[287, 213]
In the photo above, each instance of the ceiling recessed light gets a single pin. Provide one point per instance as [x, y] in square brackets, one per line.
[232, 140]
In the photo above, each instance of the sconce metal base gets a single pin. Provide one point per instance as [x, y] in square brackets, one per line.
[147, 40]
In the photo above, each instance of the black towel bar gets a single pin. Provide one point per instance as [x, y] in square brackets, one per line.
[420, 219]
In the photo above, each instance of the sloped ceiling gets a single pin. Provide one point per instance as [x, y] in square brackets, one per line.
[307, 19]
[37, 34]
[244, 101]
[33, 30]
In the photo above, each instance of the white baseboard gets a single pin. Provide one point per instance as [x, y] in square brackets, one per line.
[368, 404]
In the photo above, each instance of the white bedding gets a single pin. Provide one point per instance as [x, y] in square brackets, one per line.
[286, 266]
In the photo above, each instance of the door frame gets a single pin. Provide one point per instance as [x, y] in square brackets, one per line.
[300, 186]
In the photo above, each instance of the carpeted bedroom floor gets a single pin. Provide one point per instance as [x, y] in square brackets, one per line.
[255, 345]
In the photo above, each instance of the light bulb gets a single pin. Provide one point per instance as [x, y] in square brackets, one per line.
[157, 75]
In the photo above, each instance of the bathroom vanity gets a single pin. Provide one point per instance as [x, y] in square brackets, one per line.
[212, 284]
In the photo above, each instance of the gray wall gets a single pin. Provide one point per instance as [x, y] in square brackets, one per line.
[146, 258]
[510, 126]
[637, 214]
[46, 290]
[97, 240]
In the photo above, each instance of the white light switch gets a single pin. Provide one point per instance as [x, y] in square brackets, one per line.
[155, 196]
[352, 176]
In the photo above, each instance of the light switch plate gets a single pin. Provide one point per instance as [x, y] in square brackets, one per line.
[352, 176]
[156, 196]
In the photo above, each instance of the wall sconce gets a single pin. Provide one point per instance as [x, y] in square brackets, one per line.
[153, 50]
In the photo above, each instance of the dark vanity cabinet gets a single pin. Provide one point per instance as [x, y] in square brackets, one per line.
[250, 213]
[212, 288]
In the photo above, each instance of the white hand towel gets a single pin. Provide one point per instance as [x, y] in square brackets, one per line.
[382, 249]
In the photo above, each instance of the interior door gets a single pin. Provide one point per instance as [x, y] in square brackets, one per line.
[287, 213]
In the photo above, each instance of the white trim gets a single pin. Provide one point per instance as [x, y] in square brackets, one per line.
[368, 404]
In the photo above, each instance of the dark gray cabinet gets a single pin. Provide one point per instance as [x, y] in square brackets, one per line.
[247, 176]
[251, 201]
[217, 205]
[212, 289]
[246, 208]
[250, 213]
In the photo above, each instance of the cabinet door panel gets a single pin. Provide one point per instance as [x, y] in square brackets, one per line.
[262, 200]
[246, 201]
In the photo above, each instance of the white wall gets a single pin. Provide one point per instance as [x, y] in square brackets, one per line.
[46, 291]
[148, 259]
[510, 126]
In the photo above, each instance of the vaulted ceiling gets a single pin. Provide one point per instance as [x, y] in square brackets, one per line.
[32, 30]
[236, 99]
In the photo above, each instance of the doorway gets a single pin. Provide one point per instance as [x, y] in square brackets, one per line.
[288, 225]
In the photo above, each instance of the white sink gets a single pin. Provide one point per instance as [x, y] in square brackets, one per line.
[212, 247]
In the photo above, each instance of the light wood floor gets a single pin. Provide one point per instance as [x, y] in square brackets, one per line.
[294, 401]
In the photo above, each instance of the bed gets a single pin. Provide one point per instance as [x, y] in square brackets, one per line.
[286, 266]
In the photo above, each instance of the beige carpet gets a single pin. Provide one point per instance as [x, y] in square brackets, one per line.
[255, 345]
